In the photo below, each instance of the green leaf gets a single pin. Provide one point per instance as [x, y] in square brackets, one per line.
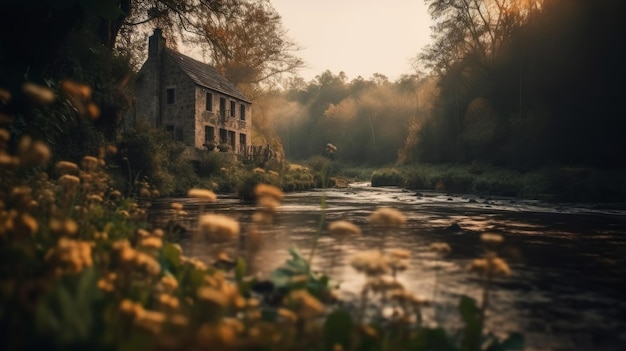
[473, 329]
[338, 330]
[67, 313]
[433, 339]
[240, 270]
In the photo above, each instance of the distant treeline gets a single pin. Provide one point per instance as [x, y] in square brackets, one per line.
[511, 84]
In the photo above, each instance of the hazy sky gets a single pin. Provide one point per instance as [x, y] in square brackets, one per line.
[359, 37]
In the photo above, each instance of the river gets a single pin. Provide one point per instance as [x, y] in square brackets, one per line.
[568, 261]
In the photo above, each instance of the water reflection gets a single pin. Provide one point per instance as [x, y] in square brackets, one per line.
[568, 262]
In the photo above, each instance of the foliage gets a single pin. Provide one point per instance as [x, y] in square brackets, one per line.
[80, 269]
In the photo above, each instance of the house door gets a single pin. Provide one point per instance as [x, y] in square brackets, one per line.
[209, 135]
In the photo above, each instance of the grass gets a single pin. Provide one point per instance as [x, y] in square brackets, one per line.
[550, 183]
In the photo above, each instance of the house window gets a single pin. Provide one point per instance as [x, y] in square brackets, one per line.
[223, 136]
[242, 112]
[233, 106]
[223, 107]
[169, 129]
[209, 102]
[170, 96]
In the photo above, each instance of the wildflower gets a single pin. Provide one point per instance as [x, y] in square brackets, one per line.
[25, 224]
[399, 253]
[75, 89]
[38, 94]
[33, 153]
[202, 194]
[490, 266]
[441, 248]
[273, 173]
[386, 216]
[491, 239]
[219, 227]
[130, 308]
[258, 170]
[405, 297]
[68, 181]
[144, 192]
[5, 96]
[263, 190]
[9, 162]
[93, 111]
[287, 315]
[89, 163]
[169, 282]
[213, 296]
[65, 167]
[268, 203]
[168, 301]
[177, 206]
[306, 305]
[124, 213]
[151, 321]
[5, 136]
[116, 194]
[343, 228]
[217, 336]
[330, 148]
[158, 232]
[152, 242]
[94, 198]
[383, 283]
[262, 217]
[371, 262]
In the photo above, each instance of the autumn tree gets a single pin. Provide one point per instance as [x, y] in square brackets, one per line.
[248, 44]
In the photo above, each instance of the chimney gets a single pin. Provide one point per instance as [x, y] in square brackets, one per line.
[156, 43]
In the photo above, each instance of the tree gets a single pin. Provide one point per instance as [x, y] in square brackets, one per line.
[248, 43]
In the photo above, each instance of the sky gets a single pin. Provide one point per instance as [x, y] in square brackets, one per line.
[358, 37]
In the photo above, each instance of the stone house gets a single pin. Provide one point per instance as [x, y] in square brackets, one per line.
[191, 100]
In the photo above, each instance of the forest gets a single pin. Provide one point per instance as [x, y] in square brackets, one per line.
[520, 84]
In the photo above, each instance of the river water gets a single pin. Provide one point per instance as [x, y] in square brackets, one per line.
[568, 261]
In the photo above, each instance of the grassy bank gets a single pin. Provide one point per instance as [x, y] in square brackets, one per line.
[550, 183]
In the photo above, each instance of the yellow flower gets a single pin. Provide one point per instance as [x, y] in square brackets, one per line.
[441, 248]
[258, 170]
[219, 227]
[169, 282]
[371, 262]
[202, 194]
[386, 216]
[177, 206]
[68, 181]
[152, 242]
[306, 306]
[89, 163]
[64, 167]
[263, 190]
[399, 253]
[287, 315]
[343, 228]
[38, 94]
[213, 296]
[491, 238]
[33, 153]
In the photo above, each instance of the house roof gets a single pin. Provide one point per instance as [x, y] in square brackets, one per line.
[205, 75]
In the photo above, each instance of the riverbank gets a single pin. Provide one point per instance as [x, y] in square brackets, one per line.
[555, 184]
